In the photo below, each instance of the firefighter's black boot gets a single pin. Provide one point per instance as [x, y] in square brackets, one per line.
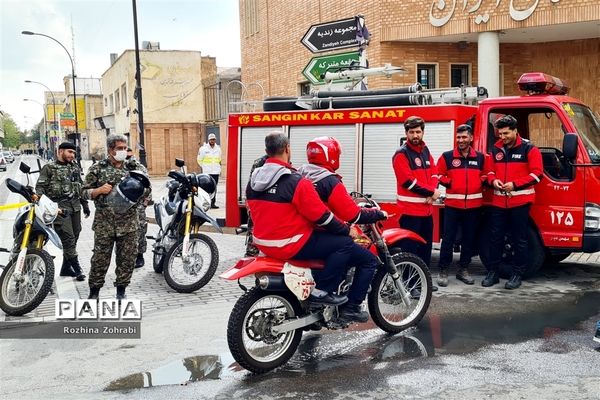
[94, 293]
[66, 269]
[77, 268]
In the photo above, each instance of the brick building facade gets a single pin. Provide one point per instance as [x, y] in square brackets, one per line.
[558, 37]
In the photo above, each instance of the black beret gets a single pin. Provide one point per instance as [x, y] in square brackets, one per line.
[67, 145]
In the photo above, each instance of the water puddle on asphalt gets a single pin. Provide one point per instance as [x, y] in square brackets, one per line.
[368, 349]
[182, 372]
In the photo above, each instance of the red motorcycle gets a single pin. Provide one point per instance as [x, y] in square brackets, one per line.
[266, 323]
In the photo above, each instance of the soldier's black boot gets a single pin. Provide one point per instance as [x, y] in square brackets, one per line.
[94, 293]
[514, 282]
[139, 261]
[121, 293]
[490, 279]
[77, 268]
[66, 269]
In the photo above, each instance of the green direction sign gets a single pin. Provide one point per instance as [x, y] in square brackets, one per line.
[67, 115]
[317, 66]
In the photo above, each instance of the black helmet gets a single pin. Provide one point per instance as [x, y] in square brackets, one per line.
[128, 192]
[206, 183]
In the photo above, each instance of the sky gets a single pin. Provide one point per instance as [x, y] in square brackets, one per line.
[100, 27]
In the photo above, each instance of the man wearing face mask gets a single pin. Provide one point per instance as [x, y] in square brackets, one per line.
[111, 227]
[133, 164]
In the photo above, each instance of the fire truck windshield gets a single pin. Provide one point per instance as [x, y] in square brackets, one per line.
[588, 127]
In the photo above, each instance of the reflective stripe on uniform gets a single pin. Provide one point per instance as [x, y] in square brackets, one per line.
[277, 242]
[534, 176]
[412, 199]
[515, 192]
[412, 184]
[328, 220]
[462, 196]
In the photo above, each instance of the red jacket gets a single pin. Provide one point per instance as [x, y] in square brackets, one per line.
[286, 209]
[334, 194]
[463, 177]
[521, 165]
[416, 179]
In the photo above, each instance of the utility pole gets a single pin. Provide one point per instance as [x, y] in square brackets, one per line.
[138, 90]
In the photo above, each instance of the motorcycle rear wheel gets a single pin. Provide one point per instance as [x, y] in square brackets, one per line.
[385, 304]
[175, 277]
[249, 335]
[20, 297]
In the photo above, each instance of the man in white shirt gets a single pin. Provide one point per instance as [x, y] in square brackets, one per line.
[209, 159]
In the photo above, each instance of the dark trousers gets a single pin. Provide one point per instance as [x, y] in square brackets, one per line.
[423, 226]
[68, 229]
[216, 178]
[514, 221]
[467, 221]
[340, 253]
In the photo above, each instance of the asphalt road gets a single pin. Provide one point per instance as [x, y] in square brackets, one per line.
[474, 343]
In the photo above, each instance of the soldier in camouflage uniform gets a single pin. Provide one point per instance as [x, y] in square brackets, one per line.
[111, 228]
[251, 249]
[132, 163]
[60, 180]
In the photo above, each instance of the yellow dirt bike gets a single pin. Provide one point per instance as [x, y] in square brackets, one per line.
[29, 274]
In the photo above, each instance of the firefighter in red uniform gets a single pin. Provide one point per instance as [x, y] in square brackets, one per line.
[462, 171]
[323, 154]
[286, 209]
[416, 187]
[516, 168]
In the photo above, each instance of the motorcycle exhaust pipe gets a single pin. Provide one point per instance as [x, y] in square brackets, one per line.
[271, 283]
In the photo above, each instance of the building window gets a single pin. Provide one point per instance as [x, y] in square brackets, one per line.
[426, 75]
[117, 102]
[124, 95]
[304, 88]
[105, 101]
[111, 104]
[460, 74]
[250, 17]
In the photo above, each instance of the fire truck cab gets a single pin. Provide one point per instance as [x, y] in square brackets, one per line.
[565, 217]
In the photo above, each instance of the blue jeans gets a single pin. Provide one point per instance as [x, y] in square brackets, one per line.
[340, 253]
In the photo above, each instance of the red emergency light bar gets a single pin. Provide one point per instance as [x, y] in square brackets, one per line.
[540, 83]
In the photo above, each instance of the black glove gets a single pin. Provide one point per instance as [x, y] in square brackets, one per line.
[85, 207]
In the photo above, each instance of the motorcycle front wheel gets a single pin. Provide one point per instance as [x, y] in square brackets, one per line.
[20, 296]
[249, 336]
[157, 262]
[386, 306]
[201, 265]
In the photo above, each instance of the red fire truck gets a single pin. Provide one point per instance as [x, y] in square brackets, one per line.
[566, 215]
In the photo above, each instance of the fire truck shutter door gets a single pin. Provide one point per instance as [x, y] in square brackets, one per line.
[439, 137]
[346, 134]
[380, 144]
[252, 146]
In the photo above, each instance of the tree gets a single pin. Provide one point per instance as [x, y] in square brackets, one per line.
[13, 137]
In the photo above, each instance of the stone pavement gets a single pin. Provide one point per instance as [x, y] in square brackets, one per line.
[150, 287]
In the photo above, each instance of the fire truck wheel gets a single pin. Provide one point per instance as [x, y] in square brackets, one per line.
[535, 251]
[553, 259]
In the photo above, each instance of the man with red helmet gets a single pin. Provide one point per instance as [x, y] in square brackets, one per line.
[516, 167]
[323, 154]
[416, 187]
[286, 211]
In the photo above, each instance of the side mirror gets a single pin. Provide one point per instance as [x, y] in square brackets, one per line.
[179, 162]
[569, 147]
[24, 168]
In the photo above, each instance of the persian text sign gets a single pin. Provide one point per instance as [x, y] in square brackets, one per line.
[331, 36]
